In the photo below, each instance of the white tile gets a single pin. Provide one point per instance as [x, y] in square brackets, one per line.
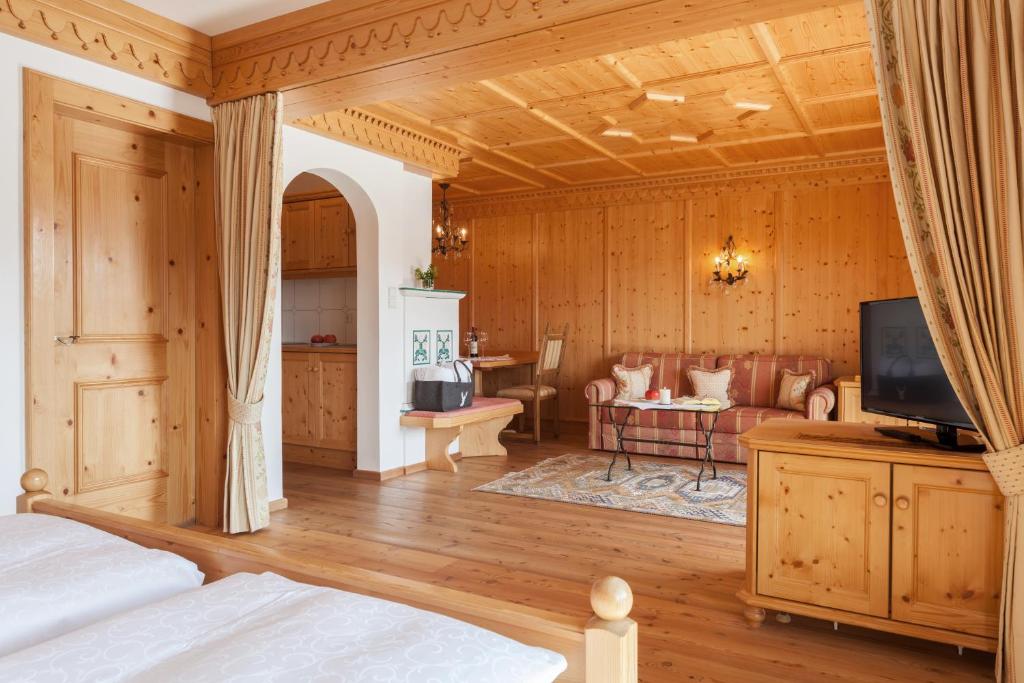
[288, 295]
[307, 295]
[288, 327]
[306, 324]
[332, 293]
[350, 293]
[350, 327]
[332, 322]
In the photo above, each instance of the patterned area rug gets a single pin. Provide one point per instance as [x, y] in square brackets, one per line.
[666, 487]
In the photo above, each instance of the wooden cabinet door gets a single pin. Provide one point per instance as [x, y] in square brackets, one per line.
[823, 531]
[297, 235]
[336, 403]
[335, 235]
[297, 398]
[947, 544]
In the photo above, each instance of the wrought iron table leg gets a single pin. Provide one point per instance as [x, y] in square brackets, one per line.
[709, 454]
[619, 447]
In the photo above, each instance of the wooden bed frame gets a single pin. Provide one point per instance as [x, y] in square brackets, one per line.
[602, 649]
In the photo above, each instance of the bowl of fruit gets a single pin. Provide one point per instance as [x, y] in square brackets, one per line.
[323, 340]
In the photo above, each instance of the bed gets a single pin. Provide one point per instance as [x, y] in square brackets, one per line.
[598, 649]
[266, 627]
[57, 575]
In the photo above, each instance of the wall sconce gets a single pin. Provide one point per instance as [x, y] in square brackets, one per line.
[730, 268]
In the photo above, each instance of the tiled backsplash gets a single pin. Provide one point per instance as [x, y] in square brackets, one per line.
[321, 306]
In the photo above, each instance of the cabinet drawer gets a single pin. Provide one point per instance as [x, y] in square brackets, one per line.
[823, 531]
[947, 543]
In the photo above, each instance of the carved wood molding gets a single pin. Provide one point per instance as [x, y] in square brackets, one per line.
[321, 43]
[117, 35]
[851, 171]
[362, 129]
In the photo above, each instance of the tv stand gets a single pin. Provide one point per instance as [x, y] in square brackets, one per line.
[946, 438]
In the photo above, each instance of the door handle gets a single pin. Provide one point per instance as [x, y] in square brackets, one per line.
[67, 341]
[880, 499]
[903, 503]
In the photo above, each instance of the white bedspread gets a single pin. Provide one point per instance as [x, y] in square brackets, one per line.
[268, 628]
[57, 575]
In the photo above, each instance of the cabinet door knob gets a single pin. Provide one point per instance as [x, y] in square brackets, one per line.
[903, 503]
[880, 500]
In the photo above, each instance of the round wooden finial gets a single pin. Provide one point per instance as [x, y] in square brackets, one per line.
[34, 480]
[611, 598]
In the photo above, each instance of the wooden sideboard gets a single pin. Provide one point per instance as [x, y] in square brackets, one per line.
[850, 526]
[318, 238]
[848, 405]
[319, 406]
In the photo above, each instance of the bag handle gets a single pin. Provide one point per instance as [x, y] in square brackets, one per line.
[469, 370]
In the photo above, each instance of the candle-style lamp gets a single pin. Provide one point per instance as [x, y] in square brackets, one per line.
[730, 268]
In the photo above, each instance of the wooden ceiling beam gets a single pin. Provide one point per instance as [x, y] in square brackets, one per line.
[840, 96]
[814, 54]
[622, 71]
[350, 58]
[771, 52]
[482, 154]
[556, 124]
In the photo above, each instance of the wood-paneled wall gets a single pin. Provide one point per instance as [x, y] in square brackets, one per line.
[630, 270]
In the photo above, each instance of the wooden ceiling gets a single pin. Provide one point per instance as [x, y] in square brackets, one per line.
[687, 105]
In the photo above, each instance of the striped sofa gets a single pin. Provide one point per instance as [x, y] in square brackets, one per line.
[754, 390]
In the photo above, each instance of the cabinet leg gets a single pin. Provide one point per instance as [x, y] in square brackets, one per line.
[754, 616]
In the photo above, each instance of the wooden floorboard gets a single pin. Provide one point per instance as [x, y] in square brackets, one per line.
[433, 527]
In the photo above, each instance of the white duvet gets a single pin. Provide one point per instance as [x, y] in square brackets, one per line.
[57, 575]
[267, 628]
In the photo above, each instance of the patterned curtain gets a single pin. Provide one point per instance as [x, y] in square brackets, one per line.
[951, 83]
[247, 139]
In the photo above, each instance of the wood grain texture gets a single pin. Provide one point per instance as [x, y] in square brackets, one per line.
[632, 272]
[684, 574]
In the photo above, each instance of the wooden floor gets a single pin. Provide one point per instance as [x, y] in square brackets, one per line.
[431, 526]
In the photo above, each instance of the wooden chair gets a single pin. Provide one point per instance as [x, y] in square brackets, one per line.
[545, 380]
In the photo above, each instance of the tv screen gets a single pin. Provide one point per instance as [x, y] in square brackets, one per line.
[901, 374]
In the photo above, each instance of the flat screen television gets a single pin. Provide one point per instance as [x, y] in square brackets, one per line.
[901, 374]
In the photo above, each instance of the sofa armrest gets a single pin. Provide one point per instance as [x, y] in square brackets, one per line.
[599, 390]
[820, 402]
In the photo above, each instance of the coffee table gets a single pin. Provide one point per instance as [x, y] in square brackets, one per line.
[705, 426]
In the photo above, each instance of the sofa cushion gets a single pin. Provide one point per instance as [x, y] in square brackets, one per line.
[756, 378]
[670, 368]
[741, 418]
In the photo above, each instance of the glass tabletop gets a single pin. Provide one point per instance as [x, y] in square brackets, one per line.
[643, 404]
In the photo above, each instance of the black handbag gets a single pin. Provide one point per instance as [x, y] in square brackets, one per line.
[440, 397]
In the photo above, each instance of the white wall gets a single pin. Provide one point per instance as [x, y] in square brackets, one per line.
[14, 55]
[392, 208]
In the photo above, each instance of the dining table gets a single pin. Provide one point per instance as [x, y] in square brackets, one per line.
[496, 361]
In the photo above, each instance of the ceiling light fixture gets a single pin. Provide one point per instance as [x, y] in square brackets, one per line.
[617, 133]
[682, 138]
[752, 106]
[449, 240]
[665, 97]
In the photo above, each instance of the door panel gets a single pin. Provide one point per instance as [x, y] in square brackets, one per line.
[123, 291]
[947, 549]
[296, 399]
[823, 531]
[335, 243]
[297, 228]
[336, 417]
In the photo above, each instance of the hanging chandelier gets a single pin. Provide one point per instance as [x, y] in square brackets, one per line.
[448, 239]
[730, 268]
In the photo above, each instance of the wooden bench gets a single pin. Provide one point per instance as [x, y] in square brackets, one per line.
[478, 428]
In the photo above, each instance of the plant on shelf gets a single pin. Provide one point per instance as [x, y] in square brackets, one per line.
[426, 277]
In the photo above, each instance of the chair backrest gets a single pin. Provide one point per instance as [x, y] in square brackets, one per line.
[552, 350]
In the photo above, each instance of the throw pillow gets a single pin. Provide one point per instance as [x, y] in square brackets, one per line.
[632, 383]
[793, 390]
[711, 383]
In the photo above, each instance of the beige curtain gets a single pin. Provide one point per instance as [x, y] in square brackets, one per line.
[951, 83]
[247, 137]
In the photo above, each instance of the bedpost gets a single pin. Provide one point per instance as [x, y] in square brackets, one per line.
[611, 645]
[34, 484]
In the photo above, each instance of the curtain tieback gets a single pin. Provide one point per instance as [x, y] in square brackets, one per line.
[244, 413]
[1007, 468]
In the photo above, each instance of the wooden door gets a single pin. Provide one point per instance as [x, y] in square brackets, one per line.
[823, 531]
[297, 236]
[336, 405]
[336, 235]
[123, 296]
[947, 545]
[297, 398]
